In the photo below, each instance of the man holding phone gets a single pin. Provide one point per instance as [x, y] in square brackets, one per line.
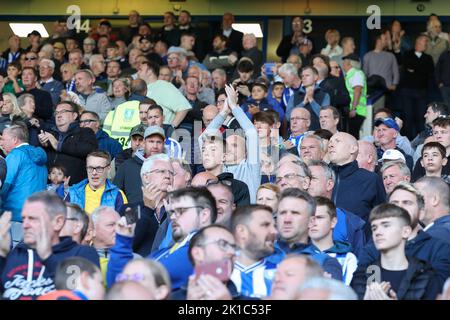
[190, 210]
[212, 251]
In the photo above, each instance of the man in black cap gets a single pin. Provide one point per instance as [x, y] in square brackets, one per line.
[356, 84]
[136, 142]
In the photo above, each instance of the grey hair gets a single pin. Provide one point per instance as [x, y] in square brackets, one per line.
[329, 173]
[310, 134]
[436, 185]
[301, 164]
[337, 289]
[149, 162]
[288, 68]
[404, 170]
[220, 71]
[93, 58]
[355, 64]
[50, 63]
[95, 215]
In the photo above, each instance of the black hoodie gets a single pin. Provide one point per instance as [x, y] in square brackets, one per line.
[24, 276]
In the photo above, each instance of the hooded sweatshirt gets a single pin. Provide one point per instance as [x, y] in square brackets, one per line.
[24, 276]
[26, 174]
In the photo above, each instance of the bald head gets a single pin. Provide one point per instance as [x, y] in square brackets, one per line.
[342, 148]
[209, 113]
[367, 155]
[202, 178]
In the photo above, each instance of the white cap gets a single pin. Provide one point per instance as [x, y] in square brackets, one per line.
[392, 154]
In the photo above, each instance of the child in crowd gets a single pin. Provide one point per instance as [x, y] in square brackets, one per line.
[57, 175]
[14, 83]
[434, 159]
[258, 102]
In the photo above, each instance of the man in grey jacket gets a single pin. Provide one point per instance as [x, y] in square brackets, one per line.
[242, 154]
[90, 99]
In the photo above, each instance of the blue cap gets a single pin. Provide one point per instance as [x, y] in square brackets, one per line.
[388, 122]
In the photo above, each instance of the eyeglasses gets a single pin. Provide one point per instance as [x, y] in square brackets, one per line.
[224, 245]
[219, 102]
[97, 169]
[163, 171]
[336, 67]
[288, 176]
[30, 58]
[178, 212]
[211, 182]
[72, 219]
[136, 277]
[62, 112]
[87, 121]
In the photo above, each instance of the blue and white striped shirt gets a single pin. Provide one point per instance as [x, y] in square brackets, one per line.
[255, 280]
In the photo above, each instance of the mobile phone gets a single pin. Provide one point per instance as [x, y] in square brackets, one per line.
[219, 269]
[268, 68]
[132, 215]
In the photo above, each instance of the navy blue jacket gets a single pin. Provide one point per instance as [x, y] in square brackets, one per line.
[24, 276]
[441, 229]
[357, 190]
[350, 229]
[54, 88]
[419, 283]
[422, 247]
[108, 144]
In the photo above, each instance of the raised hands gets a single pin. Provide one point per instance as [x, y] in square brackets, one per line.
[206, 287]
[44, 237]
[125, 229]
[232, 96]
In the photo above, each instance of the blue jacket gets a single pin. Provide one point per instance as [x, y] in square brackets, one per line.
[357, 190]
[342, 252]
[264, 105]
[108, 144]
[350, 229]
[25, 276]
[26, 174]
[111, 197]
[422, 247]
[177, 263]
[54, 88]
[329, 264]
[441, 228]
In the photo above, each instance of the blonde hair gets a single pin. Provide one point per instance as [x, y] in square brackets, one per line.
[16, 112]
[272, 187]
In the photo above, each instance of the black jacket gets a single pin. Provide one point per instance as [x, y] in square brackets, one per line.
[128, 177]
[44, 103]
[419, 283]
[423, 247]
[335, 87]
[239, 189]
[234, 40]
[73, 147]
[417, 72]
[146, 228]
[357, 190]
[443, 69]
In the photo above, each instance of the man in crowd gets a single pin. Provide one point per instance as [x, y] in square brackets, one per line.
[68, 144]
[43, 216]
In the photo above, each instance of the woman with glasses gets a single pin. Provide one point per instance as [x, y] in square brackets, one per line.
[150, 274]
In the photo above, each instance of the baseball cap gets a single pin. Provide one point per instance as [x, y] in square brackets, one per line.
[388, 122]
[138, 130]
[59, 45]
[34, 33]
[154, 130]
[352, 56]
[392, 154]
